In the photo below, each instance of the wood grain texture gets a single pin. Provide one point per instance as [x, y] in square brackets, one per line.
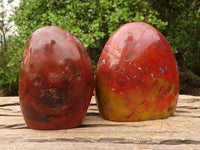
[181, 131]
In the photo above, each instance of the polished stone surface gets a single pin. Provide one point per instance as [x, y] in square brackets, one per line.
[137, 76]
[56, 80]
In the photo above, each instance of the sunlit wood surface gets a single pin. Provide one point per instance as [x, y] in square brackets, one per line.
[181, 131]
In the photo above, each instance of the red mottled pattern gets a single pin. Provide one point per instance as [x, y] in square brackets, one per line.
[137, 75]
[56, 80]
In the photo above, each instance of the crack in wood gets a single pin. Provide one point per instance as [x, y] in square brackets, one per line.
[108, 125]
[93, 109]
[188, 107]
[10, 115]
[12, 104]
[189, 100]
[179, 115]
[179, 141]
[92, 104]
[118, 141]
[14, 126]
[92, 114]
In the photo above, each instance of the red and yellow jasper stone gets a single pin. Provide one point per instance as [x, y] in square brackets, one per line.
[137, 76]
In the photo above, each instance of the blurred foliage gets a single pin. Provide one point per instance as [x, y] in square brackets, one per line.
[93, 22]
[8, 74]
[182, 31]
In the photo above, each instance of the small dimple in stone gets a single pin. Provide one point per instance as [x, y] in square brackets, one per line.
[52, 42]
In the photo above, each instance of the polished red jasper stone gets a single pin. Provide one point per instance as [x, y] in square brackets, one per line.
[56, 80]
[137, 76]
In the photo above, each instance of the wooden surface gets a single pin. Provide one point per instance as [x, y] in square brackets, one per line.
[182, 131]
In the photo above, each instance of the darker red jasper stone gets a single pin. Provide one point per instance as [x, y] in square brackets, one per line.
[56, 80]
